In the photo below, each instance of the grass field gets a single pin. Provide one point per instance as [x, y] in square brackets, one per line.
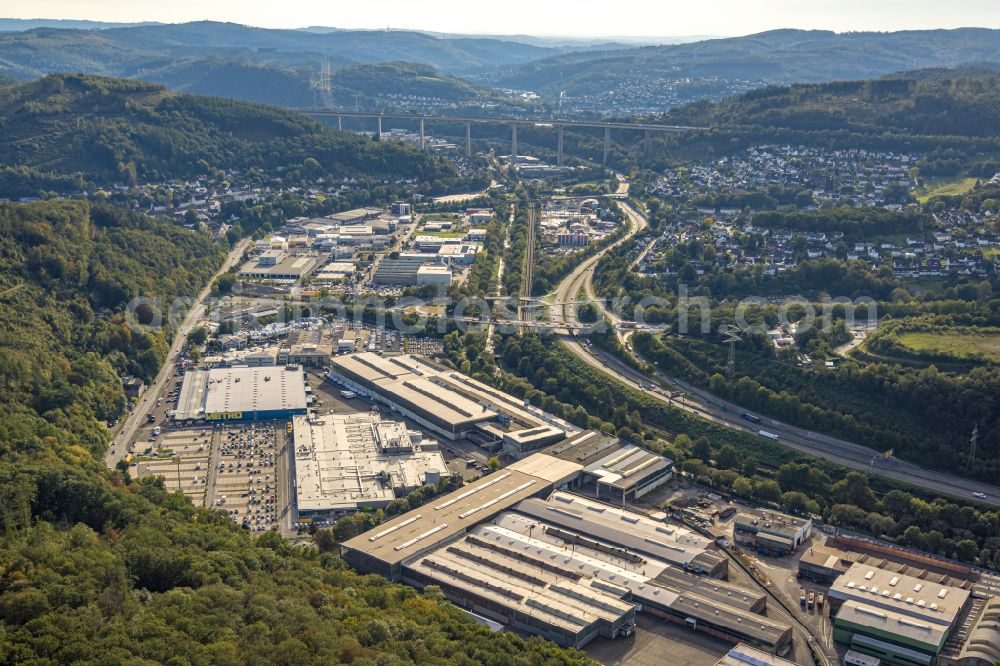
[959, 345]
[943, 187]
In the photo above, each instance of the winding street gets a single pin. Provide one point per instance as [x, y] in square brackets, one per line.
[726, 413]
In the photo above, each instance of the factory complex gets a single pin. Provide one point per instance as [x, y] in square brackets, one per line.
[516, 548]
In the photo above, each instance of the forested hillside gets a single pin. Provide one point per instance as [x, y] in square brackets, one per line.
[120, 51]
[949, 115]
[236, 78]
[963, 102]
[77, 128]
[97, 569]
[366, 84]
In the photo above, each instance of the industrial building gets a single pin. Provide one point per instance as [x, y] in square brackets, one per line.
[823, 564]
[384, 549]
[403, 270]
[355, 216]
[562, 566]
[620, 472]
[981, 644]
[442, 400]
[896, 617]
[309, 347]
[634, 532]
[771, 532]
[335, 271]
[279, 265]
[346, 462]
[434, 274]
[458, 253]
[241, 394]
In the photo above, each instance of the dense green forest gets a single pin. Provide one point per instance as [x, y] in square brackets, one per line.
[67, 271]
[102, 130]
[97, 568]
[125, 51]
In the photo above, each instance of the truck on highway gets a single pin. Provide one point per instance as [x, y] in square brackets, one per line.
[750, 417]
[767, 435]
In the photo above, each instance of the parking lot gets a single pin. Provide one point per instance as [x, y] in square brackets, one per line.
[182, 462]
[244, 478]
[231, 468]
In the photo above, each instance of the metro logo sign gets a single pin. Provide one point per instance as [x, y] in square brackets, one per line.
[224, 416]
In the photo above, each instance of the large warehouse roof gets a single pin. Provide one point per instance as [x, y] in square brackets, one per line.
[562, 600]
[403, 381]
[627, 466]
[346, 461]
[446, 516]
[240, 390]
[546, 467]
[882, 589]
[440, 394]
[893, 623]
[532, 543]
[268, 388]
[627, 529]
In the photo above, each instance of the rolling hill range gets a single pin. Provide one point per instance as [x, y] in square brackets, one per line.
[279, 67]
[780, 56]
[124, 51]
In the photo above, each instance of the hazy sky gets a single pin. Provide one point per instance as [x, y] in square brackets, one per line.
[538, 17]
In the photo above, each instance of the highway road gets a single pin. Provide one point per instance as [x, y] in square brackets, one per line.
[137, 418]
[723, 412]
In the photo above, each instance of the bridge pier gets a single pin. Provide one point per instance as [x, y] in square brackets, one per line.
[513, 144]
[421, 132]
[559, 146]
[645, 141]
[378, 131]
[468, 139]
[340, 123]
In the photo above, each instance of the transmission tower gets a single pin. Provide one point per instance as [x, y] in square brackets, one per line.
[732, 337]
[972, 446]
[325, 91]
